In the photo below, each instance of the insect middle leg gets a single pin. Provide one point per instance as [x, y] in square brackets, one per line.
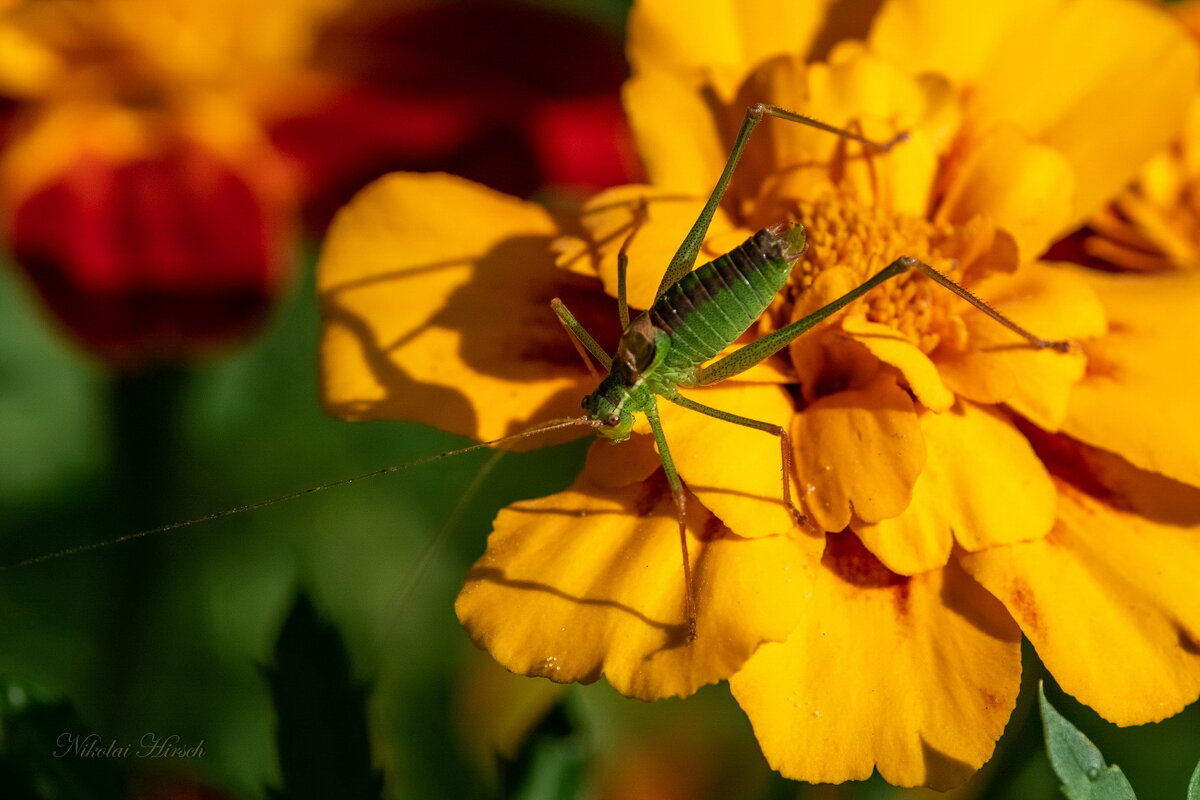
[668, 462]
[785, 443]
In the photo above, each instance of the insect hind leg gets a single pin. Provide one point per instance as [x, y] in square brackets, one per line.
[1038, 342]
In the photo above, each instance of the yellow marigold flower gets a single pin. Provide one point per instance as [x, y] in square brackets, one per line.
[927, 438]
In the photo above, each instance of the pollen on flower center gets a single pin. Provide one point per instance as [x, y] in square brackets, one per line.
[844, 232]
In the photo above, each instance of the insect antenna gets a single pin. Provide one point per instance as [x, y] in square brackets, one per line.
[400, 596]
[546, 427]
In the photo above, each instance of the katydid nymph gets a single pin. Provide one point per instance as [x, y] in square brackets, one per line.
[695, 315]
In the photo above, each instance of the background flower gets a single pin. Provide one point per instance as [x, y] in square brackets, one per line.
[157, 154]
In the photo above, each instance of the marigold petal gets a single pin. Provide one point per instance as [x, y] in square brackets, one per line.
[737, 472]
[982, 485]
[1108, 598]
[588, 582]
[614, 464]
[676, 132]
[1062, 85]
[827, 708]
[1026, 188]
[1000, 366]
[718, 42]
[824, 354]
[608, 219]
[951, 38]
[434, 292]
[1138, 397]
[890, 346]
[858, 452]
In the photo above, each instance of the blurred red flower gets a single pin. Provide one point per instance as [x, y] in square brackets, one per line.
[153, 155]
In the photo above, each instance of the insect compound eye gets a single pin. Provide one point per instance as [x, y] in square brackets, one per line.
[613, 420]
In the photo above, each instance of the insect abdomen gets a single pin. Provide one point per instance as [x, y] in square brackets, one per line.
[711, 306]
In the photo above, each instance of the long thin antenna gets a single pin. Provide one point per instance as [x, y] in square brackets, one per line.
[400, 597]
[553, 425]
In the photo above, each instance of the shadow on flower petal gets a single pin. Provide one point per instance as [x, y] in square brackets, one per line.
[503, 312]
[676, 632]
[1189, 642]
[943, 771]
[389, 376]
[469, 344]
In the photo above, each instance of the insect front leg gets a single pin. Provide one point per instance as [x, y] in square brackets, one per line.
[785, 443]
[664, 453]
[581, 338]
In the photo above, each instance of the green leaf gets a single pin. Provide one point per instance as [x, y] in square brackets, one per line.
[48, 753]
[551, 764]
[324, 749]
[1194, 785]
[1077, 762]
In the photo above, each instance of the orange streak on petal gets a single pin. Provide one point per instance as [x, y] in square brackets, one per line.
[1109, 600]
[1138, 397]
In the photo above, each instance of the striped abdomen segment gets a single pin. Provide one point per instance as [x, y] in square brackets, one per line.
[710, 307]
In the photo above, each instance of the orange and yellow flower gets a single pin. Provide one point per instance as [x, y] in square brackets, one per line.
[967, 488]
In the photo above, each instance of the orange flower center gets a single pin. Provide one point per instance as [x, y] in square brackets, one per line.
[844, 232]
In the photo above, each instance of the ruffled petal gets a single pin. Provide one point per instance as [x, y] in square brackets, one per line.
[982, 485]
[435, 296]
[588, 582]
[1026, 188]
[891, 347]
[915, 677]
[859, 452]
[718, 42]
[1001, 367]
[1138, 397]
[1095, 63]
[677, 134]
[735, 471]
[1109, 600]
[955, 39]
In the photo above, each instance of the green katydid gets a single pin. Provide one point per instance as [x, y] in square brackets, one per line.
[696, 314]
